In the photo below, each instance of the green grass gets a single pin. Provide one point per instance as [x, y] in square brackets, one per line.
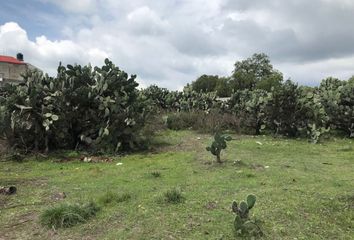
[173, 196]
[66, 215]
[112, 197]
[156, 174]
[304, 191]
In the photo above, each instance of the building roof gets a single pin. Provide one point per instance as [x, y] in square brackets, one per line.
[8, 59]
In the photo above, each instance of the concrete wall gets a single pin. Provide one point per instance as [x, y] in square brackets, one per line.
[11, 72]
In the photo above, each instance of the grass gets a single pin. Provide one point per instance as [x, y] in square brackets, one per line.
[156, 174]
[173, 196]
[66, 215]
[306, 192]
[112, 197]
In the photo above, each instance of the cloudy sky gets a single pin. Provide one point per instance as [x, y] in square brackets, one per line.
[172, 42]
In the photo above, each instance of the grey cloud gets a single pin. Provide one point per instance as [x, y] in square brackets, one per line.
[311, 30]
[170, 43]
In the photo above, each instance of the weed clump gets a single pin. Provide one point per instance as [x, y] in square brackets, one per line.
[68, 215]
[112, 197]
[156, 174]
[173, 196]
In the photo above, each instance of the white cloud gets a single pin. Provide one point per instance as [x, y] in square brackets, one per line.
[143, 20]
[44, 53]
[171, 43]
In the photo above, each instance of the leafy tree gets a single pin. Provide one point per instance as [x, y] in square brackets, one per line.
[274, 80]
[255, 72]
[205, 83]
[223, 87]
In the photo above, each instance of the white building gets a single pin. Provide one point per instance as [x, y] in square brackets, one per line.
[12, 69]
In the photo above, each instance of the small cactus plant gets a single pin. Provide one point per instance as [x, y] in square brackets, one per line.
[217, 145]
[242, 214]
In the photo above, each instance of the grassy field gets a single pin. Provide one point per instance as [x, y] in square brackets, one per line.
[304, 191]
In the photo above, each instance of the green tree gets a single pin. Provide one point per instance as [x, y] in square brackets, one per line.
[255, 72]
[205, 83]
[223, 87]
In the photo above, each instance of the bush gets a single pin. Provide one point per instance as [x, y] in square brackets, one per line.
[99, 108]
[338, 100]
[282, 109]
[112, 197]
[66, 215]
[203, 122]
[182, 120]
[173, 196]
[250, 106]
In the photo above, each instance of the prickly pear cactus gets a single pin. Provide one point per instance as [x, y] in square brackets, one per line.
[217, 145]
[242, 213]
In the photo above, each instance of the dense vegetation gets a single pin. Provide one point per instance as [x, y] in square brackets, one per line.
[103, 110]
[82, 106]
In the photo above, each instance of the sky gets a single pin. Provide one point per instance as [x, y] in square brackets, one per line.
[172, 42]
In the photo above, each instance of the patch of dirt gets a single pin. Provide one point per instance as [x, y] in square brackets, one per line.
[3, 201]
[256, 166]
[22, 219]
[186, 143]
[211, 205]
[58, 196]
[87, 159]
[33, 182]
[240, 163]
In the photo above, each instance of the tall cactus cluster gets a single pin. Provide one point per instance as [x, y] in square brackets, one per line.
[82, 107]
[217, 145]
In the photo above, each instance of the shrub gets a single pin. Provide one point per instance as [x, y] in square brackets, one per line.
[182, 120]
[312, 115]
[203, 122]
[112, 197]
[338, 100]
[173, 196]
[251, 108]
[282, 109]
[66, 215]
